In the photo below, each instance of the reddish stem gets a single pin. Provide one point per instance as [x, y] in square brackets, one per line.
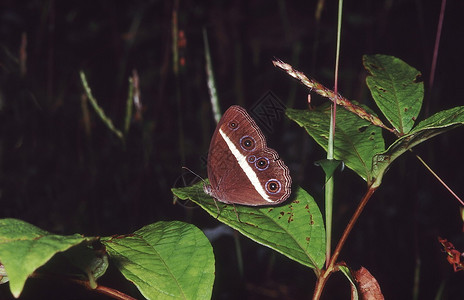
[115, 294]
[325, 274]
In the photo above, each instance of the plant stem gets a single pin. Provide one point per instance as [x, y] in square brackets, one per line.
[213, 96]
[110, 292]
[440, 180]
[350, 225]
[329, 182]
[100, 112]
[329, 188]
[332, 264]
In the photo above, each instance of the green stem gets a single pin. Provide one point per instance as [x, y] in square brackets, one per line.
[329, 188]
[128, 117]
[329, 185]
[325, 274]
[100, 112]
[210, 80]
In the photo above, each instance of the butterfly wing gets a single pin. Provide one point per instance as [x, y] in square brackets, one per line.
[241, 168]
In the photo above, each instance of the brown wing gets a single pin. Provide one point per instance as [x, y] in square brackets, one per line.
[241, 168]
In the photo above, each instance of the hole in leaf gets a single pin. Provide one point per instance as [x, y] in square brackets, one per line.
[362, 128]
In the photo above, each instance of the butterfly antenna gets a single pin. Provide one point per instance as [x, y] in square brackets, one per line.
[185, 183]
[204, 181]
[201, 178]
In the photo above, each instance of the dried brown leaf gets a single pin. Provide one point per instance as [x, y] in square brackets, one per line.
[368, 287]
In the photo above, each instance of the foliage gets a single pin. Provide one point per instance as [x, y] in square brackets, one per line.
[174, 260]
[64, 168]
[165, 260]
[358, 143]
[295, 229]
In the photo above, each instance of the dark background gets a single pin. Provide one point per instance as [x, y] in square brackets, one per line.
[61, 178]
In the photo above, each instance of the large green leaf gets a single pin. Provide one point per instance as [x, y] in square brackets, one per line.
[356, 140]
[165, 260]
[396, 89]
[25, 247]
[295, 229]
[438, 123]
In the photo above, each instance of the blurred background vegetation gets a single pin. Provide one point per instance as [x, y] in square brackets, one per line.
[61, 169]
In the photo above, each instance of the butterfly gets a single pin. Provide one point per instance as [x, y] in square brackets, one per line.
[241, 168]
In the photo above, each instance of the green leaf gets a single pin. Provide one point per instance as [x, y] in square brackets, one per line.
[165, 260]
[442, 120]
[396, 89]
[25, 247]
[295, 229]
[354, 289]
[428, 128]
[356, 140]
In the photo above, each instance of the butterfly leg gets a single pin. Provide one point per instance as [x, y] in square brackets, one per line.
[217, 207]
[219, 211]
[236, 213]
